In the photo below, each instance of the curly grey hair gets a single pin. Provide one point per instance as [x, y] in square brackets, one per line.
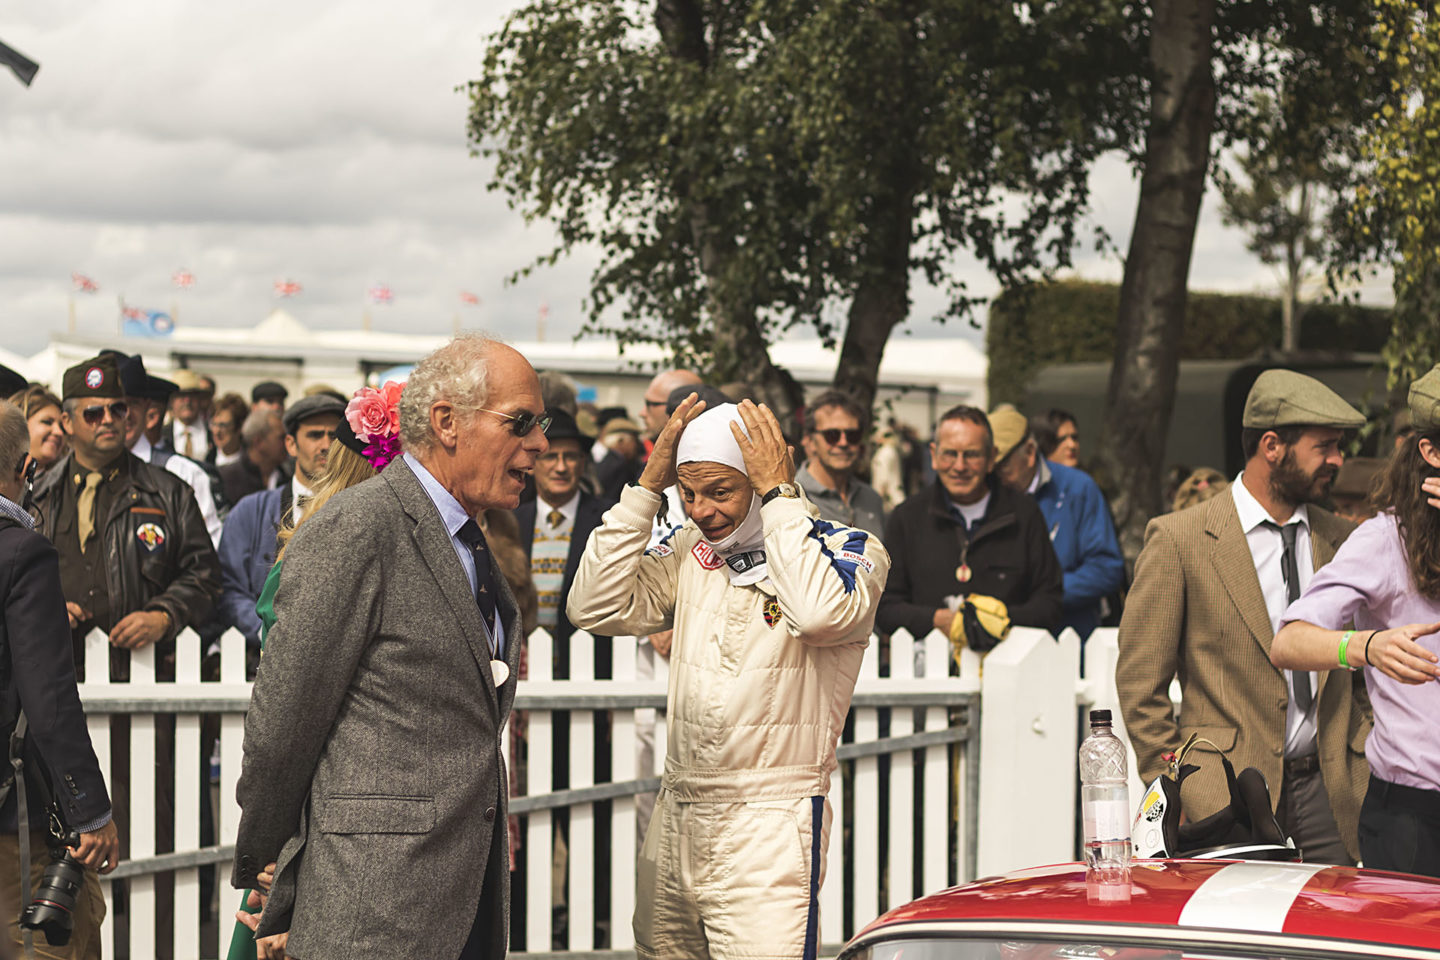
[459, 373]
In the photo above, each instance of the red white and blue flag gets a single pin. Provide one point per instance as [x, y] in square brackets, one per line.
[470, 299]
[139, 322]
[183, 279]
[83, 284]
[287, 288]
[380, 293]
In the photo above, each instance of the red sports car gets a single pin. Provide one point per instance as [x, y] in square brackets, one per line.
[1173, 909]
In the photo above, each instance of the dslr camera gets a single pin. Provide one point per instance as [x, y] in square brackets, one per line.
[52, 909]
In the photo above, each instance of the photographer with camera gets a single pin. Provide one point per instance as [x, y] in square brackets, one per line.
[50, 741]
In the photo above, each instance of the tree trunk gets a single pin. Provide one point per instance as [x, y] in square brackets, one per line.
[740, 351]
[1141, 394]
[1294, 274]
[881, 302]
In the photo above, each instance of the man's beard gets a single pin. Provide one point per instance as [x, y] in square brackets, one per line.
[1293, 485]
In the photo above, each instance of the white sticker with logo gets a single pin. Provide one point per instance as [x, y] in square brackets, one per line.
[857, 558]
[708, 558]
[660, 550]
[94, 377]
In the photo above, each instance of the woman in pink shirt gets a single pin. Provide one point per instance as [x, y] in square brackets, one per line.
[1377, 606]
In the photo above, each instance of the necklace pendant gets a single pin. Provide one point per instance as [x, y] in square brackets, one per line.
[962, 573]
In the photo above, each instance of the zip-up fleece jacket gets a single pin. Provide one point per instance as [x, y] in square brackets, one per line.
[760, 675]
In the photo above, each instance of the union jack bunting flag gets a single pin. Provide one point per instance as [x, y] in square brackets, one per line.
[469, 298]
[380, 293]
[183, 279]
[287, 288]
[83, 283]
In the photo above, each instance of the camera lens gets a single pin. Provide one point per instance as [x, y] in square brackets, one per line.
[51, 912]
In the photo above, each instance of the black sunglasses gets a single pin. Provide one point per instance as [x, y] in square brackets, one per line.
[96, 415]
[833, 435]
[522, 423]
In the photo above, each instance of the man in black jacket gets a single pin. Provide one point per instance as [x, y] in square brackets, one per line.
[36, 661]
[135, 557]
[967, 535]
[135, 561]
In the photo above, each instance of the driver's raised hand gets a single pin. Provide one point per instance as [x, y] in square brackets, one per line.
[660, 468]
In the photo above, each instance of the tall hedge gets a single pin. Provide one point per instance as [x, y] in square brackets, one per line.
[1068, 321]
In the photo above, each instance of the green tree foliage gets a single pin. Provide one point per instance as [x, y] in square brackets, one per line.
[747, 166]
[1391, 215]
[1073, 321]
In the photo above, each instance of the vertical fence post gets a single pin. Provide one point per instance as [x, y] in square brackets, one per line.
[539, 850]
[142, 805]
[903, 827]
[97, 683]
[622, 811]
[936, 807]
[865, 833]
[580, 896]
[232, 738]
[188, 798]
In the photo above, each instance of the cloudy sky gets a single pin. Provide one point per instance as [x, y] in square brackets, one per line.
[321, 141]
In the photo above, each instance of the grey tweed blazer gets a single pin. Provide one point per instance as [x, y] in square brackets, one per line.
[1196, 611]
[372, 771]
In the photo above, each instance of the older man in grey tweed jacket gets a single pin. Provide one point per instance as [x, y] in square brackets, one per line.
[373, 789]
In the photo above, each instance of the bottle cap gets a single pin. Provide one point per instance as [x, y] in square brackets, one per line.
[1100, 716]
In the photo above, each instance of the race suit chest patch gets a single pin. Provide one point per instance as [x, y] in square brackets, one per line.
[706, 556]
[772, 612]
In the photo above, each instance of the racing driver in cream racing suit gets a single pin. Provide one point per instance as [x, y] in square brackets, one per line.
[772, 608]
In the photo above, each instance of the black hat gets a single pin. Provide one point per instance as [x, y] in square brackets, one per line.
[563, 427]
[158, 389]
[96, 377]
[133, 378]
[268, 390]
[10, 381]
[308, 407]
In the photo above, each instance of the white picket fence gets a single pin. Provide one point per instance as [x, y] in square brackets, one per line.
[991, 753]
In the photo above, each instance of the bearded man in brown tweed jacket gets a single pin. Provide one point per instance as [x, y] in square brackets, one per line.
[1210, 587]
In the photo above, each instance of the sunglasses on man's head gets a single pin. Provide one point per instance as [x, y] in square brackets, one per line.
[522, 423]
[96, 415]
[833, 435]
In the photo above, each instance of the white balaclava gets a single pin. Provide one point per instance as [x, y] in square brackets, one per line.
[707, 439]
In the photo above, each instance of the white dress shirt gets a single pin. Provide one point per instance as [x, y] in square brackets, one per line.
[200, 444]
[1266, 548]
[298, 490]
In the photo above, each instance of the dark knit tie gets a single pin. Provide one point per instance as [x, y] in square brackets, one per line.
[485, 592]
[1290, 568]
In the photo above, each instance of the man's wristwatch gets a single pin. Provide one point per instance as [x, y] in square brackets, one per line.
[781, 490]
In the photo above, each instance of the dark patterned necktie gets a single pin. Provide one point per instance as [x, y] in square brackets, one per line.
[1290, 569]
[556, 518]
[485, 593]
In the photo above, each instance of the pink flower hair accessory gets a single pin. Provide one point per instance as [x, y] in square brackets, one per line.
[371, 425]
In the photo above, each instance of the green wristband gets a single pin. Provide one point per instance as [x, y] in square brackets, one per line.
[1345, 642]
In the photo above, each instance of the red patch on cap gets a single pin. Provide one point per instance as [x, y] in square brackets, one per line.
[94, 377]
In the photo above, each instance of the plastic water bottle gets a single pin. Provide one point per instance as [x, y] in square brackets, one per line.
[1105, 803]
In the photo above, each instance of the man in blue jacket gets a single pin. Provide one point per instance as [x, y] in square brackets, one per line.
[247, 548]
[1081, 529]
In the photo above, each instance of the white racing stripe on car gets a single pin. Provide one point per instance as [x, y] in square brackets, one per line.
[1248, 896]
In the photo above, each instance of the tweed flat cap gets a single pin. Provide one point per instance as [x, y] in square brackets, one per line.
[303, 410]
[1425, 401]
[1010, 429]
[1284, 398]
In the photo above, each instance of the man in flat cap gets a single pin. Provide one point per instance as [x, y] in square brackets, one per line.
[248, 549]
[268, 395]
[1211, 585]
